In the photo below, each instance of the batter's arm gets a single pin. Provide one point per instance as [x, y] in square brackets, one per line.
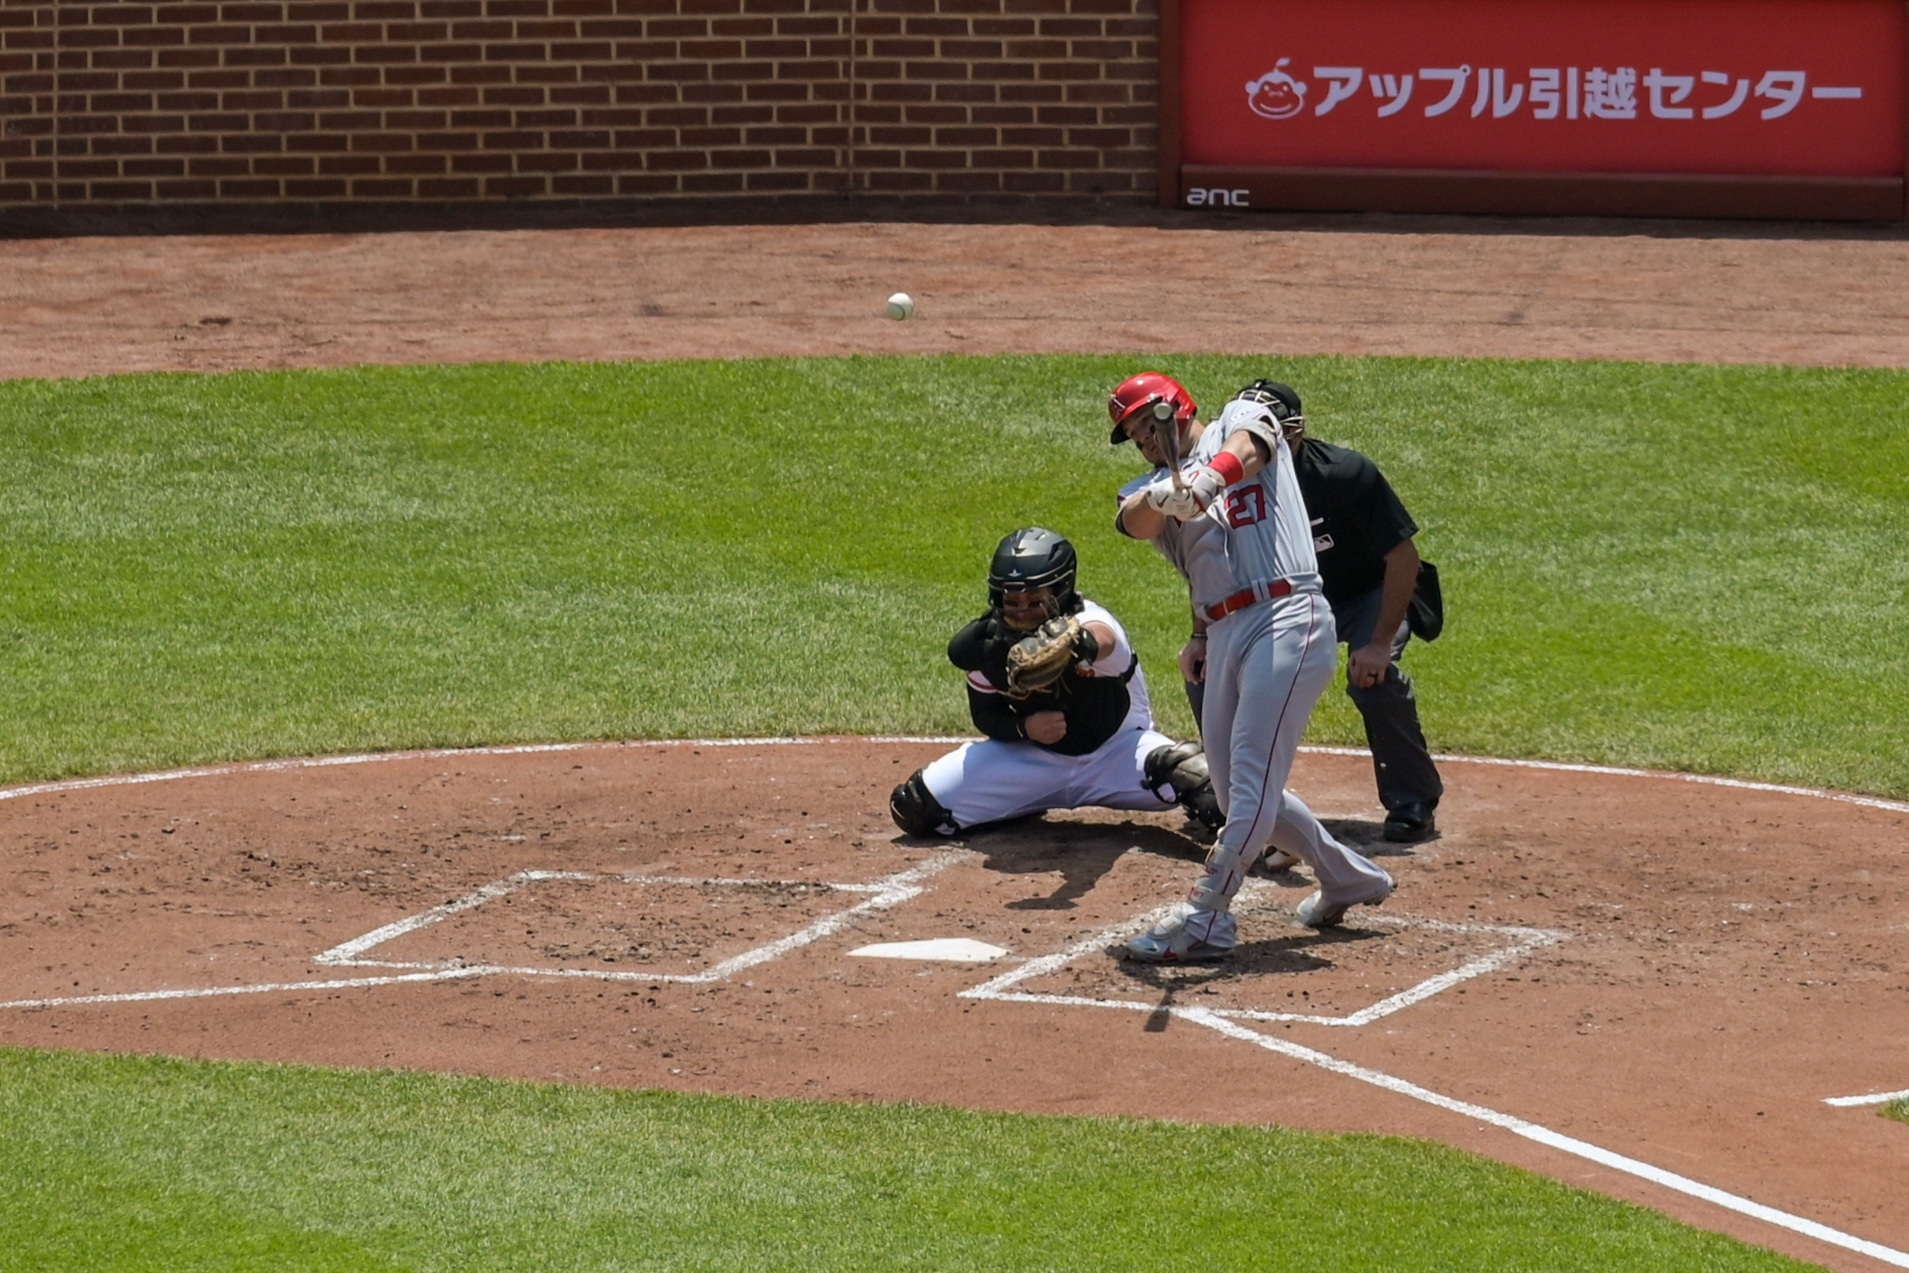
[1251, 451]
[1138, 519]
[1193, 653]
[1241, 458]
[1368, 664]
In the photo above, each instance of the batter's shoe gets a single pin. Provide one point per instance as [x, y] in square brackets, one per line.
[1317, 912]
[1187, 936]
[1277, 860]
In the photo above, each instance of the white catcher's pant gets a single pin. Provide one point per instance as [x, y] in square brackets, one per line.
[1266, 667]
[990, 780]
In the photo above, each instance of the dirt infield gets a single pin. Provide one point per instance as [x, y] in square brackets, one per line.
[1627, 982]
[1418, 286]
[1672, 971]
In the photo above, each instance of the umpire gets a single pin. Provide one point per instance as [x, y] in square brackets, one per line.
[1370, 568]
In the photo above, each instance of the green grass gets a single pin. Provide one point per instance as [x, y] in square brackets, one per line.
[116, 1164]
[1898, 1110]
[1702, 568]
[1687, 567]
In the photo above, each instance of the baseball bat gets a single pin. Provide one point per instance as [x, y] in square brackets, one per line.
[1168, 431]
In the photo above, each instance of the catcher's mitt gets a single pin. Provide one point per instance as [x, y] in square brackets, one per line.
[1042, 657]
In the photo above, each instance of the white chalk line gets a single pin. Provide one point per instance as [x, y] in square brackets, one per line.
[1528, 940]
[1878, 1098]
[1202, 1016]
[445, 753]
[434, 753]
[346, 953]
[210, 992]
[1555, 1140]
[1741, 784]
[884, 893]
[1227, 1023]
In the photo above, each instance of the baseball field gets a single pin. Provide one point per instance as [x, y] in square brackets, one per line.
[446, 798]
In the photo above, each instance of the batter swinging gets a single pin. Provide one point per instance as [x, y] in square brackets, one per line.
[1232, 520]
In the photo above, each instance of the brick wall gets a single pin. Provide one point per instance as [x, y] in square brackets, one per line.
[200, 102]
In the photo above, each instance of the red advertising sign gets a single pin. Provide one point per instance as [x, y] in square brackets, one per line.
[1804, 88]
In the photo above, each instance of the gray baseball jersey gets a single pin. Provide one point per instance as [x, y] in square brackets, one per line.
[1266, 666]
[1261, 522]
[1196, 549]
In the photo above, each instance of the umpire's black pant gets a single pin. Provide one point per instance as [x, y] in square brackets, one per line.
[1401, 762]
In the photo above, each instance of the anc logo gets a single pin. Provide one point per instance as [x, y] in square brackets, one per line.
[1276, 95]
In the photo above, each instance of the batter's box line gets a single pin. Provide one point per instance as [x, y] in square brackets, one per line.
[887, 892]
[883, 893]
[1526, 940]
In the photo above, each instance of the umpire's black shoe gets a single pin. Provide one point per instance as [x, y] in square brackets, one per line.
[1411, 823]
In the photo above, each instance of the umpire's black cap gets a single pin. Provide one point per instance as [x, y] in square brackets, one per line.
[1280, 397]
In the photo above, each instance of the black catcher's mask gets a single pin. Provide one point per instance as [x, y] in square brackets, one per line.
[1035, 558]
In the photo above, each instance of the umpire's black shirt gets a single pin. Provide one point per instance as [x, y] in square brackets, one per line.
[1356, 518]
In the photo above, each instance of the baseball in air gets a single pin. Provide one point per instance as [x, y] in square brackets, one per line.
[901, 305]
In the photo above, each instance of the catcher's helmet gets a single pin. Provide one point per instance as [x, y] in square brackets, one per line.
[1034, 558]
[1281, 398]
[1136, 392]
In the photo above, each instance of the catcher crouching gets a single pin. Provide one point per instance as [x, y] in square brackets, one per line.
[1057, 689]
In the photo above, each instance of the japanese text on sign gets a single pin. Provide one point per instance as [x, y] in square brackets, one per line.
[1549, 92]
[1745, 87]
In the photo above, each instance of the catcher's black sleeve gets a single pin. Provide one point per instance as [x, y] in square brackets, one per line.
[995, 716]
[978, 645]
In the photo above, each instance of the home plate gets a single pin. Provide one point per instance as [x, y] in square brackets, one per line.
[963, 950]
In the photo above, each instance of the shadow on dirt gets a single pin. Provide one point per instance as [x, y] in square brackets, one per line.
[1082, 852]
[1277, 956]
[1367, 836]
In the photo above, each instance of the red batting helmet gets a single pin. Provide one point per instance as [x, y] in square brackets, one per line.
[1148, 387]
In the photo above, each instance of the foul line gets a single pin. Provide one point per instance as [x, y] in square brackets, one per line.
[1226, 1023]
[887, 892]
[1880, 1098]
[368, 758]
[1555, 1140]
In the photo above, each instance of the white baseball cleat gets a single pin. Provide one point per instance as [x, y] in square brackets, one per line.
[1317, 912]
[1187, 936]
[1279, 860]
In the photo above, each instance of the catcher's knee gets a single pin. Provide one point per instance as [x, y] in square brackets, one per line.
[1182, 766]
[916, 810]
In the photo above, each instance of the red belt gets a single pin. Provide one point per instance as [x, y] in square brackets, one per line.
[1246, 597]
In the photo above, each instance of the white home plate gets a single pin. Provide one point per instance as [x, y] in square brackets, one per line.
[963, 950]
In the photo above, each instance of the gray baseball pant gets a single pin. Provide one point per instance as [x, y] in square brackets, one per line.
[1266, 667]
